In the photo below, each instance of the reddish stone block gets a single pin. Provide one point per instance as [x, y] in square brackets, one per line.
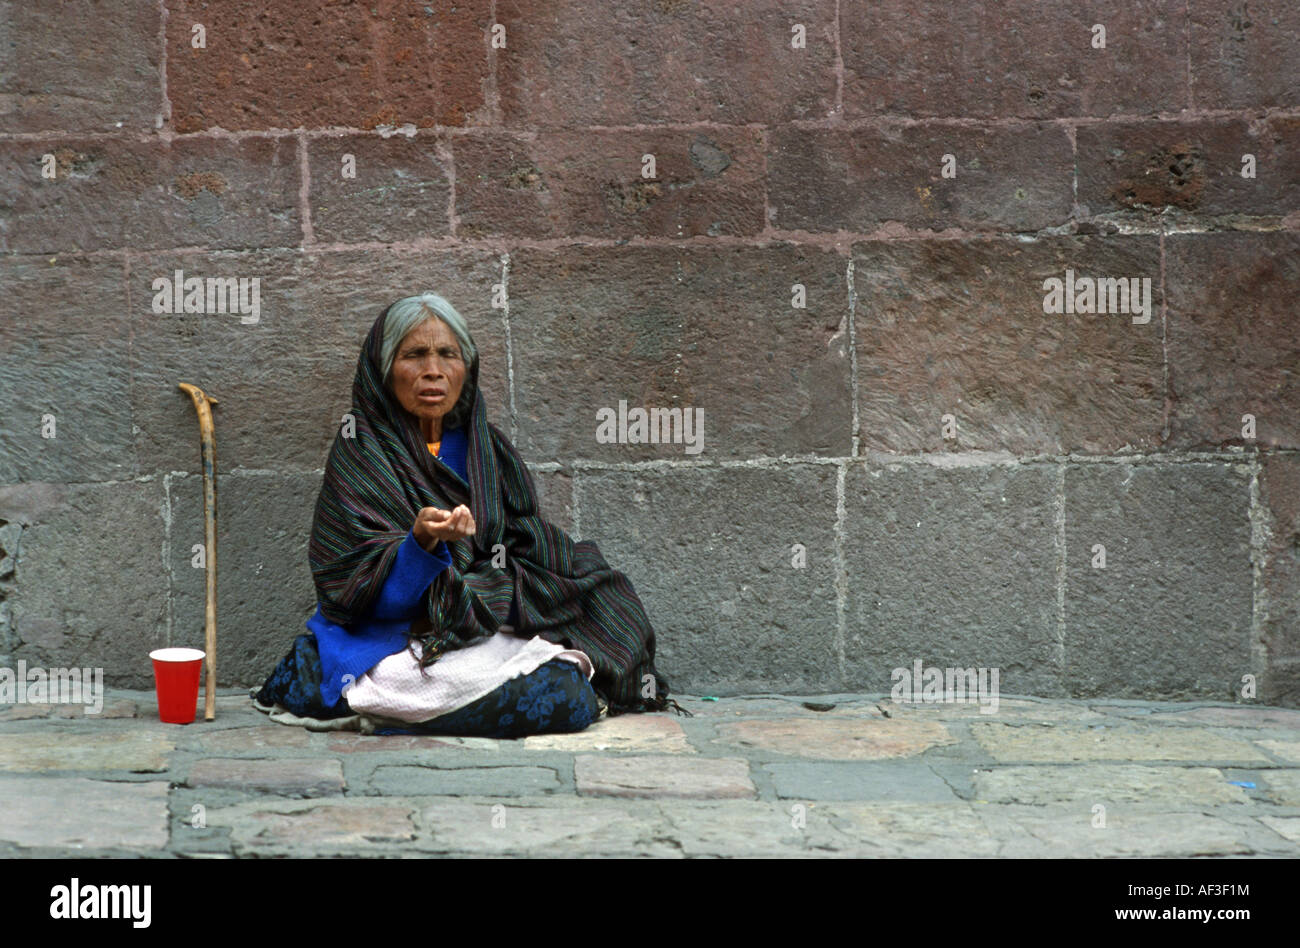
[318, 63]
[145, 195]
[958, 327]
[1194, 166]
[1016, 179]
[571, 63]
[707, 182]
[400, 191]
[701, 328]
[1020, 58]
[1244, 54]
[1232, 343]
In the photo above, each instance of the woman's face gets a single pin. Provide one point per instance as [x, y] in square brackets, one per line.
[428, 373]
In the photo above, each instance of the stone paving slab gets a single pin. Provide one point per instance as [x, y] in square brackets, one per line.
[300, 828]
[837, 738]
[574, 826]
[645, 733]
[1071, 830]
[1232, 717]
[752, 829]
[912, 830]
[1012, 709]
[858, 780]
[1286, 826]
[242, 739]
[463, 781]
[663, 776]
[1107, 783]
[54, 750]
[347, 743]
[1283, 786]
[80, 814]
[1133, 742]
[291, 777]
[118, 708]
[1288, 751]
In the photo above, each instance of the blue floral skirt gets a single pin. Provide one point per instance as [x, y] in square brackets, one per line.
[554, 698]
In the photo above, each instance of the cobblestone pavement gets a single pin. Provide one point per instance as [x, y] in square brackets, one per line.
[829, 775]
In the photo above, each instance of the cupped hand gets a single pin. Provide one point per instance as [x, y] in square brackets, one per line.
[433, 524]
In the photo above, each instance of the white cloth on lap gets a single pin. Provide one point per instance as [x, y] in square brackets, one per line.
[398, 688]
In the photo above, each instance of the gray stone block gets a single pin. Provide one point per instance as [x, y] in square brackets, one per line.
[265, 592]
[709, 552]
[859, 780]
[285, 382]
[700, 328]
[955, 567]
[91, 581]
[1170, 615]
[66, 344]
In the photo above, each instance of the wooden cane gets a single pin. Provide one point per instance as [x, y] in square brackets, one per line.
[208, 449]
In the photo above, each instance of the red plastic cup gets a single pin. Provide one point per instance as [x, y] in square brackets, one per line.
[176, 676]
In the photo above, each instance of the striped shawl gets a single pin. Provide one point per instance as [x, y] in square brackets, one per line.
[377, 480]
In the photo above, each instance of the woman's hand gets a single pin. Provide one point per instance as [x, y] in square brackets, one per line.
[433, 524]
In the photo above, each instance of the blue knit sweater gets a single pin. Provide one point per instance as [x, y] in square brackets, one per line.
[348, 653]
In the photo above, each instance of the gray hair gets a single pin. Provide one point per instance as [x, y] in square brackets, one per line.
[412, 311]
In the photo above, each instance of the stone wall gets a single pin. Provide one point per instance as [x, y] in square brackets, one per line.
[827, 226]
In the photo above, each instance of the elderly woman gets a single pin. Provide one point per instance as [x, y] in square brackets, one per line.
[446, 603]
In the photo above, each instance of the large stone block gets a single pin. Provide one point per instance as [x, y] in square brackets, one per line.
[1194, 166]
[91, 581]
[400, 191]
[1232, 340]
[318, 64]
[1023, 58]
[711, 330]
[80, 65]
[555, 497]
[66, 344]
[1244, 55]
[1279, 490]
[265, 592]
[285, 382]
[706, 182]
[587, 62]
[958, 327]
[1007, 179]
[712, 554]
[954, 567]
[1169, 616]
[114, 193]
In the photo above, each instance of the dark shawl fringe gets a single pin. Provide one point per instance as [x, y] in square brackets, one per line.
[376, 482]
